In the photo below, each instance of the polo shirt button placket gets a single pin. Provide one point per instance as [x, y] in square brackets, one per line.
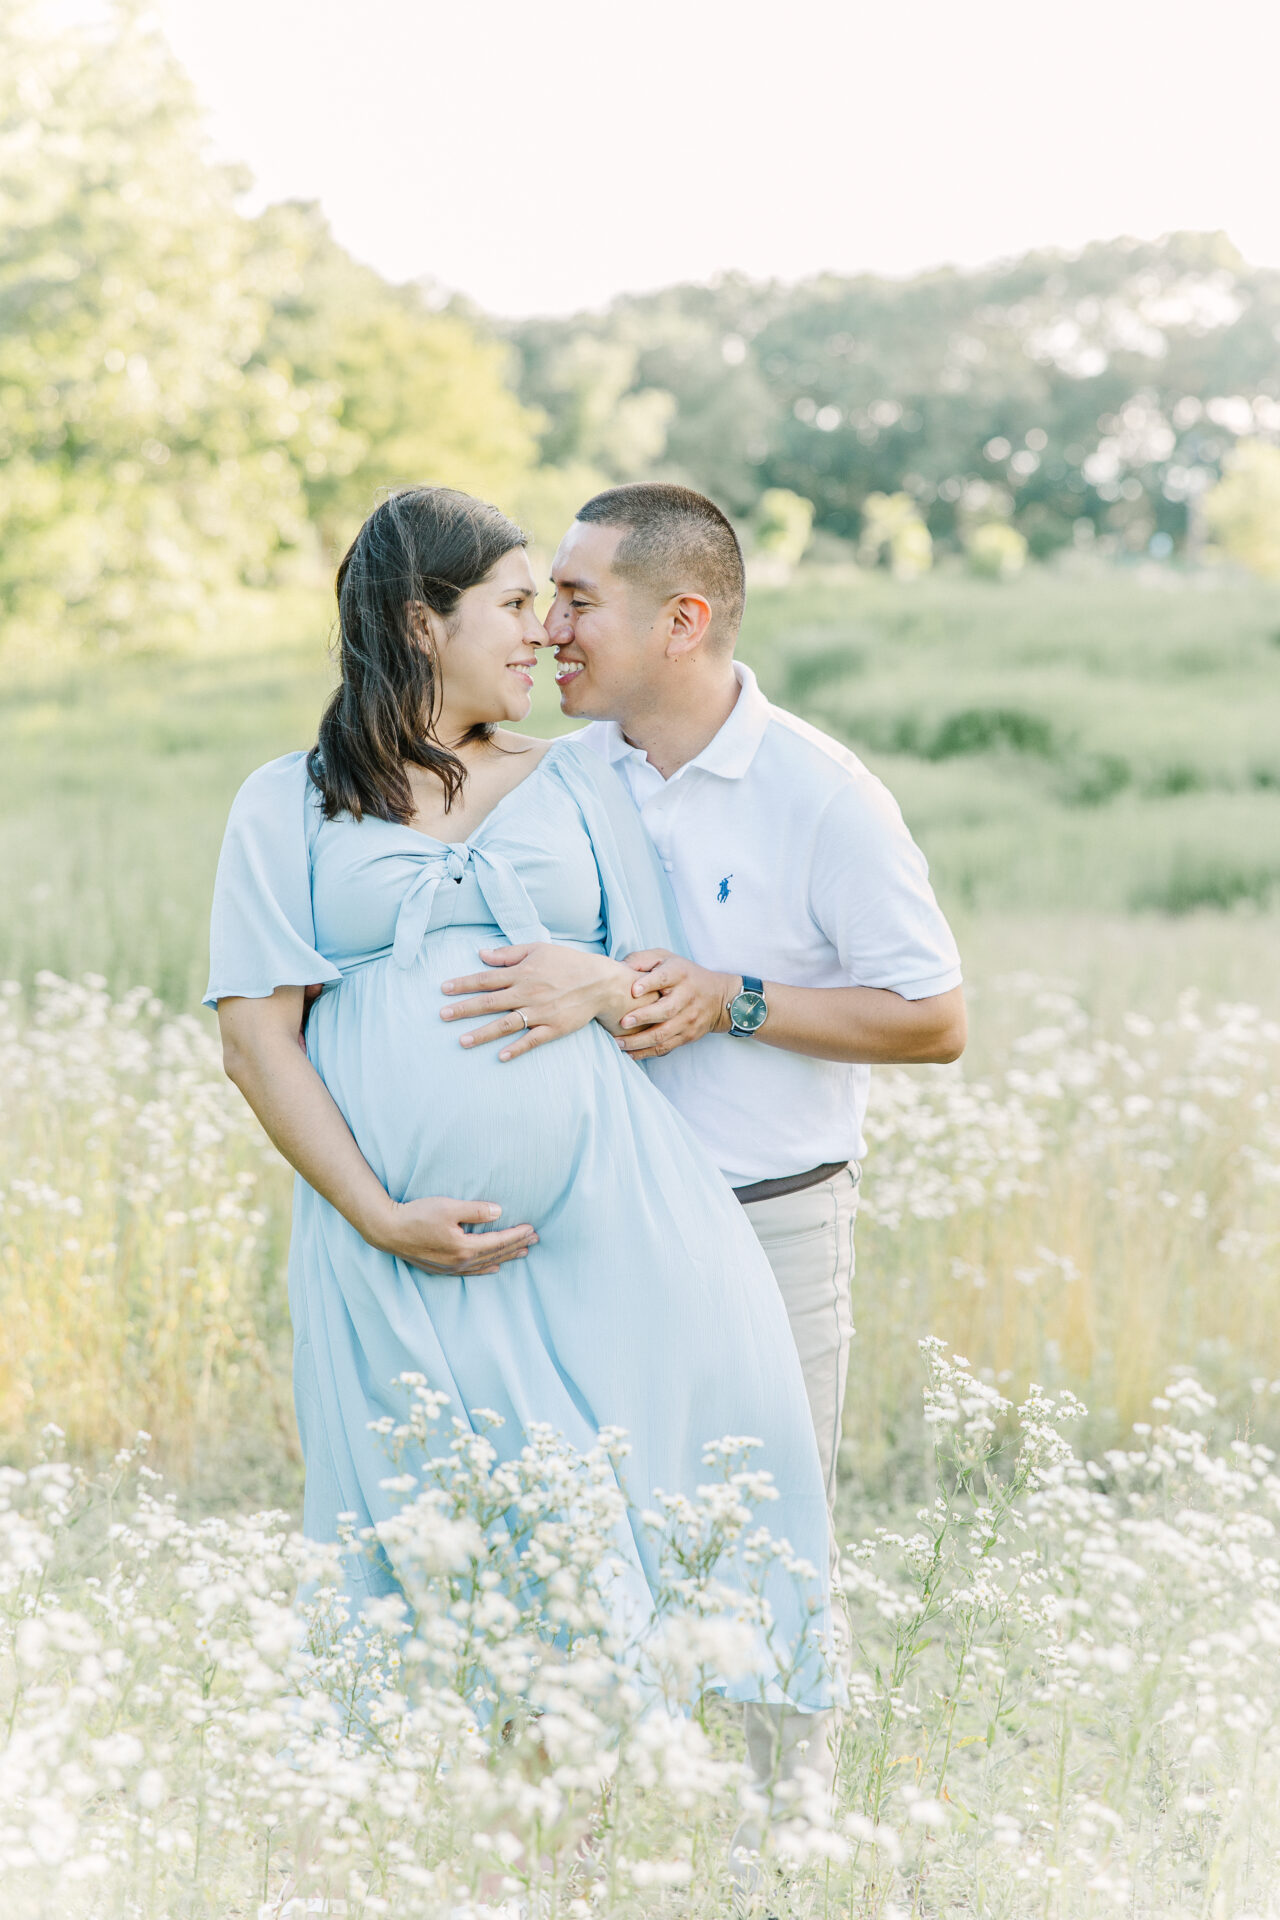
[661, 806]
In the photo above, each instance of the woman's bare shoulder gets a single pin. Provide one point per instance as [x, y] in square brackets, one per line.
[522, 744]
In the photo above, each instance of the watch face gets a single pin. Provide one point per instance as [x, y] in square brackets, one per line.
[748, 1010]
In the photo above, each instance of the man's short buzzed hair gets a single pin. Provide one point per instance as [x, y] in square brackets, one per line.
[676, 540]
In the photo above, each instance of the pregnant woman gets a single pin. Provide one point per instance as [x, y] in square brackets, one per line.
[624, 1286]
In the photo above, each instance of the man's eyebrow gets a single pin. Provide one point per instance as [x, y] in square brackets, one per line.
[574, 586]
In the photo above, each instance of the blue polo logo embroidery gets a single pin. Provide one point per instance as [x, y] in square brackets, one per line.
[722, 891]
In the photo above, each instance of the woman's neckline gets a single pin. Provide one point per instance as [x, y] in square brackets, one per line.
[434, 840]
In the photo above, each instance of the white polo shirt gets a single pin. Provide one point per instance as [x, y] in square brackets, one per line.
[788, 860]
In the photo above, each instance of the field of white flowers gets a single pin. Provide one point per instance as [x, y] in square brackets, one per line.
[1065, 1622]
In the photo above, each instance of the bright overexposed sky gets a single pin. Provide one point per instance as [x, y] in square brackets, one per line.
[543, 155]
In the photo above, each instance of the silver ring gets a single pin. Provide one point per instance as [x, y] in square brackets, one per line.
[524, 1018]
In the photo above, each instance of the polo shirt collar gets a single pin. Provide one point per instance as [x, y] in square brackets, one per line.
[730, 752]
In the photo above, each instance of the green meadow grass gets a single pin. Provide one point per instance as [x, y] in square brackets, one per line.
[1065, 746]
[1070, 741]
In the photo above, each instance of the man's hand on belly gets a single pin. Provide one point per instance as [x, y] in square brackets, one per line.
[542, 992]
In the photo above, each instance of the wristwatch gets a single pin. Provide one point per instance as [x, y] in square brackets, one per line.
[749, 1009]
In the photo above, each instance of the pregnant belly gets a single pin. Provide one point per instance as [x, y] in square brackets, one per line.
[434, 1117]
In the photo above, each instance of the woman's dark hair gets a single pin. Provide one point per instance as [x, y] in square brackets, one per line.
[423, 547]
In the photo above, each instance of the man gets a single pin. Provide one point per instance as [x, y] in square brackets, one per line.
[818, 949]
[817, 946]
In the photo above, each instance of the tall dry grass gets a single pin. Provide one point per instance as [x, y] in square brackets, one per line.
[1094, 1207]
[143, 1230]
[1099, 1208]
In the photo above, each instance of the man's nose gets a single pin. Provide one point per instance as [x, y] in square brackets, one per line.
[556, 625]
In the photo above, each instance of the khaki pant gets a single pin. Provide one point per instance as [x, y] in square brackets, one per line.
[809, 1240]
[808, 1237]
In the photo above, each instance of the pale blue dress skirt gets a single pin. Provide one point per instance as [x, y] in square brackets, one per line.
[647, 1303]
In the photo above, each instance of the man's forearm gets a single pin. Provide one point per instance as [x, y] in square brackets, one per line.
[863, 1025]
[867, 1025]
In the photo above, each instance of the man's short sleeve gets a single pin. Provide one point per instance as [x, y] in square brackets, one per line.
[871, 896]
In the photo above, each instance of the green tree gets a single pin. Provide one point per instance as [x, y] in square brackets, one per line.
[995, 550]
[1242, 512]
[141, 462]
[783, 525]
[893, 532]
[595, 409]
[186, 394]
[407, 393]
[1106, 386]
[683, 358]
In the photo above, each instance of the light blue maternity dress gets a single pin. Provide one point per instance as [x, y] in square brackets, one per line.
[647, 1303]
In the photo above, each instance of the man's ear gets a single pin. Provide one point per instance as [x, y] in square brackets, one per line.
[690, 617]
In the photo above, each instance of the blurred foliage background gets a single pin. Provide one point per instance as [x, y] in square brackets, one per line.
[1013, 533]
[192, 401]
[1082, 400]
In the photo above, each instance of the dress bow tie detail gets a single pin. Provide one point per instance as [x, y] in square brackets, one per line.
[500, 886]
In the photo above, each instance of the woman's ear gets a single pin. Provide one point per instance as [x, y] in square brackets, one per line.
[424, 626]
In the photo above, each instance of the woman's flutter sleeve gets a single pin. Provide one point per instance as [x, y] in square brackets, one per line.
[639, 910]
[262, 932]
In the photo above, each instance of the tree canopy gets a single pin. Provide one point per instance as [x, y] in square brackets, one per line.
[188, 395]
[192, 399]
[1095, 394]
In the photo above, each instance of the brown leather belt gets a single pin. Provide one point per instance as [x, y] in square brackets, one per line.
[794, 1183]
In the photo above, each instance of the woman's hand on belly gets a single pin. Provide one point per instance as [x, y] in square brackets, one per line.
[430, 1234]
[542, 992]
[260, 1053]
